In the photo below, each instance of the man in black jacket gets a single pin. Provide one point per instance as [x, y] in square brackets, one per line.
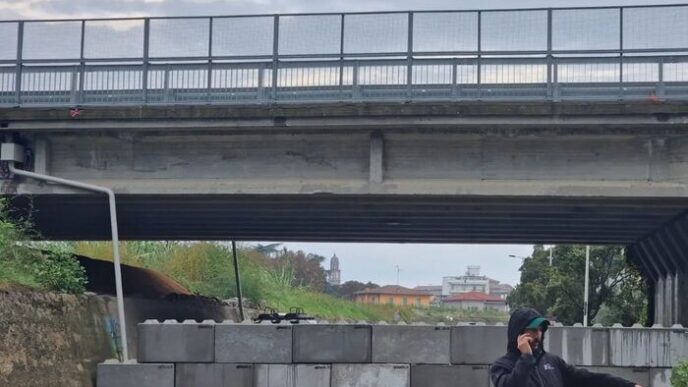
[526, 364]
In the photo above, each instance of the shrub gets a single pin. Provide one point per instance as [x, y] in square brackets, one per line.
[60, 271]
[679, 375]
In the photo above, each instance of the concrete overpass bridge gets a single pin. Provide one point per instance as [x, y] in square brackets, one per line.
[483, 136]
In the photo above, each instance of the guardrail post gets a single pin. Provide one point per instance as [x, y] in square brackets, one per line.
[355, 89]
[621, 62]
[550, 92]
[455, 86]
[275, 56]
[409, 58]
[146, 46]
[261, 81]
[479, 64]
[660, 75]
[20, 63]
[556, 92]
[78, 95]
[341, 59]
[209, 85]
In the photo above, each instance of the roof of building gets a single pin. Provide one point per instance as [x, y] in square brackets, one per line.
[394, 290]
[472, 296]
[428, 288]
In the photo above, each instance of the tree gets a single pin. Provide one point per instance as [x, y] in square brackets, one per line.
[267, 250]
[616, 286]
[307, 268]
[348, 288]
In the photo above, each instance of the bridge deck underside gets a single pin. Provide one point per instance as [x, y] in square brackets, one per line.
[349, 218]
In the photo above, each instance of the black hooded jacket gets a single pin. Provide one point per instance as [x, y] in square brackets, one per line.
[541, 369]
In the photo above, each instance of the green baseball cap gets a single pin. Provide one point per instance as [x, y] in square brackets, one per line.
[536, 322]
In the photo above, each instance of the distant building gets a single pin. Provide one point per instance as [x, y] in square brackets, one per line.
[393, 295]
[477, 301]
[499, 289]
[334, 274]
[472, 281]
[434, 290]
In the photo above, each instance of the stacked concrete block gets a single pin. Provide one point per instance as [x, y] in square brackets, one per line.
[411, 344]
[174, 342]
[371, 375]
[253, 343]
[214, 375]
[329, 343]
[193, 354]
[478, 344]
[661, 377]
[640, 347]
[431, 375]
[640, 376]
[116, 374]
[579, 346]
[292, 375]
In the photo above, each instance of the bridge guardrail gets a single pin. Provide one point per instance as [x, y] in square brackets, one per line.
[606, 53]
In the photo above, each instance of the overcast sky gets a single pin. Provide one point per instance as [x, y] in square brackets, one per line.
[41, 9]
[419, 264]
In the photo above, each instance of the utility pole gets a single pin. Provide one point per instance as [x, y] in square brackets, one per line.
[587, 283]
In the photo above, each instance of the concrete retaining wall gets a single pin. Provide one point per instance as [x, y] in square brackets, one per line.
[364, 355]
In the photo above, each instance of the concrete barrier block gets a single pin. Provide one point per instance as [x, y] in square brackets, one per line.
[173, 342]
[213, 375]
[579, 346]
[640, 347]
[253, 343]
[292, 375]
[371, 375]
[135, 374]
[660, 377]
[678, 340]
[411, 344]
[638, 375]
[312, 375]
[477, 344]
[450, 375]
[274, 375]
[332, 343]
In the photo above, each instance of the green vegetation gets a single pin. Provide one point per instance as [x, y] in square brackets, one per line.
[679, 374]
[617, 290]
[21, 264]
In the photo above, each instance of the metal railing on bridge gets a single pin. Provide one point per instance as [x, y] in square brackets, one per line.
[607, 53]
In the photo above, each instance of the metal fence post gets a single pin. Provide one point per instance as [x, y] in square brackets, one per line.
[341, 59]
[209, 79]
[146, 47]
[409, 58]
[660, 75]
[621, 49]
[275, 56]
[20, 62]
[480, 49]
[79, 93]
[549, 54]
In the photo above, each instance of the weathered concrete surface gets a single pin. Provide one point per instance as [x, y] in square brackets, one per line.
[51, 339]
[450, 375]
[332, 343]
[631, 347]
[640, 376]
[477, 344]
[579, 346]
[411, 344]
[132, 374]
[370, 375]
[250, 343]
[214, 375]
[174, 342]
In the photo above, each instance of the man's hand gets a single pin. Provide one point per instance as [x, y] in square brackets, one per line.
[523, 343]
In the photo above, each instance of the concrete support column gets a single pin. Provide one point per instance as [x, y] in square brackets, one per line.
[659, 301]
[41, 156]
[377, 143]
[669, 300]
[681, 287]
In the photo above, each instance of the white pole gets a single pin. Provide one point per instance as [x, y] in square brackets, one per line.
[550, 255]
[587, 284]
[115, 240]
